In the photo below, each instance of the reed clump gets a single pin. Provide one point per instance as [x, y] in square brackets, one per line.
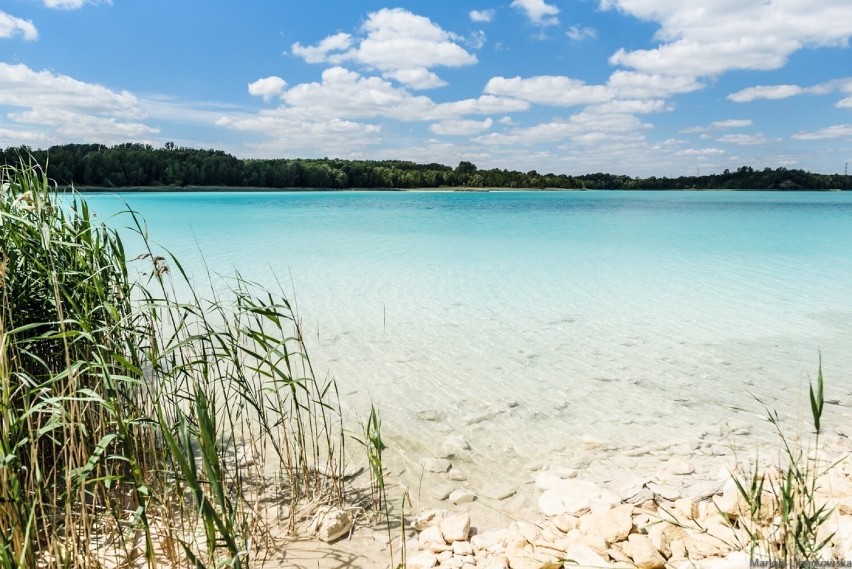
[782, 515]
[137, 425]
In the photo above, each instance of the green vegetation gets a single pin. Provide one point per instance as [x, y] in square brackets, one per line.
[136, 428]
[782, 514]
[138, 165]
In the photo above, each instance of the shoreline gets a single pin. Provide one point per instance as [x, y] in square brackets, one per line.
[448, 189]
[672, 518]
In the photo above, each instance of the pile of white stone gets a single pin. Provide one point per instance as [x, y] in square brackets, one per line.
[588, 526]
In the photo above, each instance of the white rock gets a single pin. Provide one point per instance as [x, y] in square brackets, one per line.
[531, 532]
[462, 548]
[442, 492]
[585, 556]
[435, 464]
[668, 492]
[547, 480]
[428, 518]
[613, 525]
[331, 523]
[568, 497]
[680, 467]
[454, 445]
[455, 528]
[484, 540]
[444, 556]
[461, 497]
[430, 536]
[421, 560]
[644, 555]
[566, 522]
[456, 474]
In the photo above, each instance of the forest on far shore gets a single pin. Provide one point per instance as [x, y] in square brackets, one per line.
[142, 165]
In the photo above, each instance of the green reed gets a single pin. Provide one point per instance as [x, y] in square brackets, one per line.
[782, 514]
[136, 424]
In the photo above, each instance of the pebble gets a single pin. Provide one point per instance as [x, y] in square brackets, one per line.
[457, 475]
[461, 497]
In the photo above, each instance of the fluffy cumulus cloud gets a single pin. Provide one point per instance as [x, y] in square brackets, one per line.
[11, 26]
[267, 87]
[403, 46]
[348, 95]
[58, 108]
[632, 84]
[548, 90]
[709, 37]
[463, 127]
[539, 12]
[481, 16]
[586, 127]
[320, 52]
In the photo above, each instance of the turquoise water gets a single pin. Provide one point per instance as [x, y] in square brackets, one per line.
[542, 325]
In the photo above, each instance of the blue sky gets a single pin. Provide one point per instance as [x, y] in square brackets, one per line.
[637, 87]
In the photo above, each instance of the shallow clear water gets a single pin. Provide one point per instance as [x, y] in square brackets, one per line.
[555, 327]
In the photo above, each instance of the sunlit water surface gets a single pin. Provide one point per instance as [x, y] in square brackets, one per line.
[547, 327]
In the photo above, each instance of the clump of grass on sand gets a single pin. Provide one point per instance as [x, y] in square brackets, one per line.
[136, 426]
[781, 512]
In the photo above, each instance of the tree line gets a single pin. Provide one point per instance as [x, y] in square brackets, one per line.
[142, 165]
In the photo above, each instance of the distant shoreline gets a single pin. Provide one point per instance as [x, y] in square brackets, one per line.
[448, 189]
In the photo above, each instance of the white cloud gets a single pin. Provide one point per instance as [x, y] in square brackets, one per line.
[461, 127]
[416, 78]
[771, 92]
[634, 85]
[731, 123]
[580, 33]
[837, 131]
[319, 53]
[11, 26]
[484, 105]
[81, 126]
[20, 86]
[844, 103]
[483, 16]
[585, 127]
[267, 87]
[709, 37]
[476, 40]
[700, 152]
[746, 139]
[349, 95]
[632, 106]
[57, 108]
[766, 92]
[72, 4]
[554, 90]
[400, 44]
[539, 12]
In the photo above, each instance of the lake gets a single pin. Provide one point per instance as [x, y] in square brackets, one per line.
[602, 330]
